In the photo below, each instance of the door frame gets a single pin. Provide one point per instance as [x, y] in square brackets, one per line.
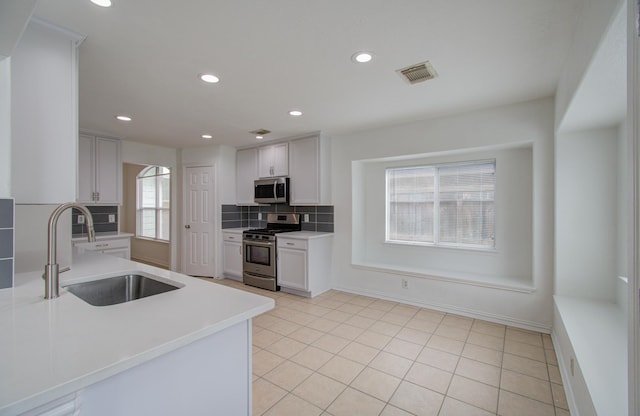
[213, 213]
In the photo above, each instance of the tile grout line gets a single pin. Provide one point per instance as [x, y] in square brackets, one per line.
[424, 345]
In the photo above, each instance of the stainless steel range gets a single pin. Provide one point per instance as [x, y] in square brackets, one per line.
[259, 247]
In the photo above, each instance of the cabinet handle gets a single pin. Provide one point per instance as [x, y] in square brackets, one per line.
[290, 244]
[187, 226]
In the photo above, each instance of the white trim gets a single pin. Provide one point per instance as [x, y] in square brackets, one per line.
[480, 281]
[564, 375]
[633, 137]
[470, 313]
[77, 37]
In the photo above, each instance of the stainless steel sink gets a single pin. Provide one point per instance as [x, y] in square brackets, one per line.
[118, 289]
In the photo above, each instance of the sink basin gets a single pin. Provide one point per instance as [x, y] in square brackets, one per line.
[118, 289]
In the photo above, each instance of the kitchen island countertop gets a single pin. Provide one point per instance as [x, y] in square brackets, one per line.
[51, 348]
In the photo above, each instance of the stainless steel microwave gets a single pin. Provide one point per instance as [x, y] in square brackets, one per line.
[271, 191]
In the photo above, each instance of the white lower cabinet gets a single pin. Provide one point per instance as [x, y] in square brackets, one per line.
[116, 246]
[292, 268]
[304, 263]
[232, 247]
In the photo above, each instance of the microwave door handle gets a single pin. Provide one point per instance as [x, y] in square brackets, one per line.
[275, 189]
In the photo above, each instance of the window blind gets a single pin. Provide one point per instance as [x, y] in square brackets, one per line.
[450, 205]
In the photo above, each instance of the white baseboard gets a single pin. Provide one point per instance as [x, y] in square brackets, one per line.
[470, 313]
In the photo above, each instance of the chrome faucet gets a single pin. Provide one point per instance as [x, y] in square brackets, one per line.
[51, 270]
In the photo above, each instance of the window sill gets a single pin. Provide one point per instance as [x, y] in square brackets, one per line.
[512, 285]
[152, 240]
[440, 246]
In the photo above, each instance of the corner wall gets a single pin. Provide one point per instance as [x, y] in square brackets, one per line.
[530, 122]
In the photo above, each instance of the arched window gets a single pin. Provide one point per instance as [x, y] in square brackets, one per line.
[153, 203]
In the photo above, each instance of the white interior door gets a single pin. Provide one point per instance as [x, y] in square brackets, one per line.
[199, 221]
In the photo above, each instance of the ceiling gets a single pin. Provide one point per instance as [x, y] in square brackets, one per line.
[142, 58]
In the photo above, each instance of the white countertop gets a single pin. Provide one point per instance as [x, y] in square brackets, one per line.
[305, 235]
[103, 236]
[301, 235]
[52, 348]
[235, 230]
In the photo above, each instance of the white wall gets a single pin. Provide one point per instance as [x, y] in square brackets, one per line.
[44, 115]
[223, 160]
[145, 154]
[530, 122]
[5, 128]
[586, 214]
[509, 264]
[595, 20]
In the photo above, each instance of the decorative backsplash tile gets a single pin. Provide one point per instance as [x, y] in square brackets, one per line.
[320, 216]
[7, 231]
[101, 221]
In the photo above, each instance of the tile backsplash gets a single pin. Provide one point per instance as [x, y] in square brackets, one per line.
[320, 216]
[101, 223]
[7, 230]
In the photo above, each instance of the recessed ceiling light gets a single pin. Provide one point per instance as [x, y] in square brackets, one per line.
[102, 3]
[362, 57]
[259, 137]
[295, 113]
[207, 136]
[122, 117]
[210, 78]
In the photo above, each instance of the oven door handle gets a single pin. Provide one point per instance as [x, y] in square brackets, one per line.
[259, 243]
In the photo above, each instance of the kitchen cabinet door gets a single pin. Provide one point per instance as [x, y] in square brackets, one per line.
[273, 160]
[304, 264]
[292, 268]
[246, 173]
[99, 171]
[108, 171]
[86, 172]
[309, 171]
[232, 248]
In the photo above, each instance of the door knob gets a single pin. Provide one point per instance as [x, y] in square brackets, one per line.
[187, 226]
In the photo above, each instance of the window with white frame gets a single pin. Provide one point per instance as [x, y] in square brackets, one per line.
[153, 203]
[443, 205]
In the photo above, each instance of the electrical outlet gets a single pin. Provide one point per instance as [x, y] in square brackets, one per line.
[80, 219]
[259, 216]
[112, 218]
[405, 284]
[306, 218]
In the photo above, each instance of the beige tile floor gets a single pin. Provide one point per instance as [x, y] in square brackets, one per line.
[340, 354]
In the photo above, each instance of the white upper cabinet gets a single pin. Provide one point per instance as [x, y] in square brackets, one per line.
[246, 173]
[273, 160]
[310, 171]
[99, 170]
[44, 114]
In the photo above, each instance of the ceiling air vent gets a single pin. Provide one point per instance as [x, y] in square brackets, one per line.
[260, 132]
[418, 72]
